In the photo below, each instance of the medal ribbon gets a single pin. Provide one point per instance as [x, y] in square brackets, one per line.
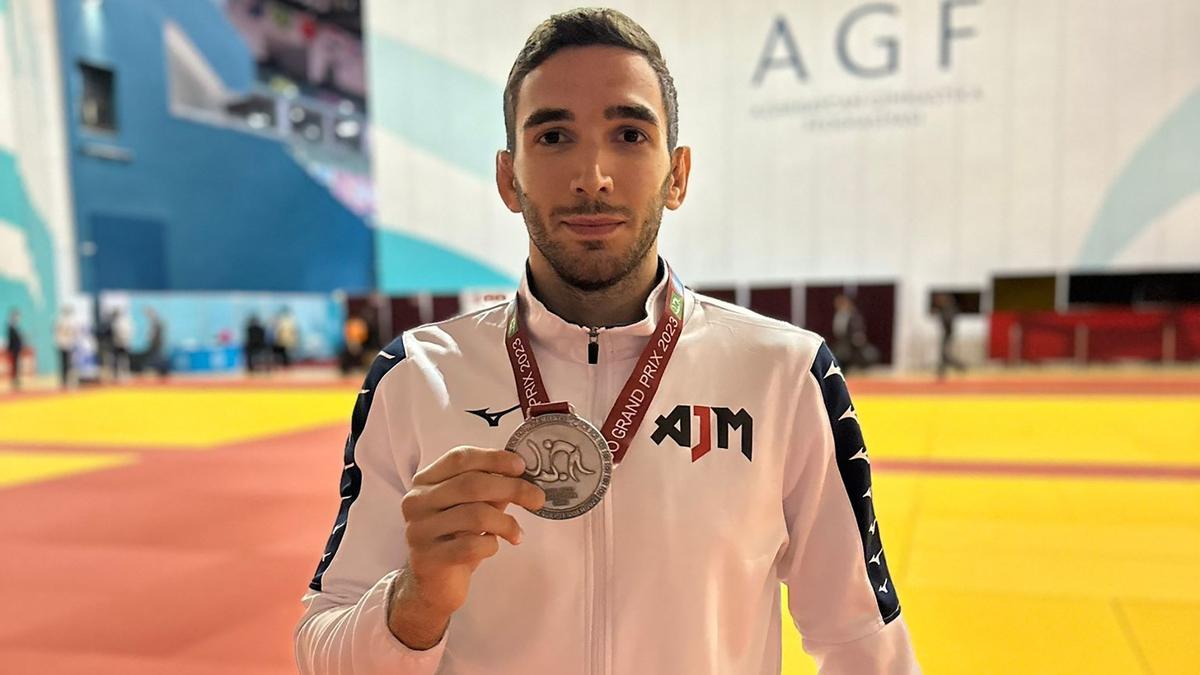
[627, 413]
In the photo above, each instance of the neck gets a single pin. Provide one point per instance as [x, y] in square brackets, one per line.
[621, 304]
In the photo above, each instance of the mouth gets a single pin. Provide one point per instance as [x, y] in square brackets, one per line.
[593, 226]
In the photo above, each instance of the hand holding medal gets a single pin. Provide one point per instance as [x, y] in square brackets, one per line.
[453, 515]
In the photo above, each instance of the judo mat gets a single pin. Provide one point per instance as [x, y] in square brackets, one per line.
[1041, 524]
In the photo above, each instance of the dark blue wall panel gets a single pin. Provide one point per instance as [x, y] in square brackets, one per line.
[237, 212]
[134, 258]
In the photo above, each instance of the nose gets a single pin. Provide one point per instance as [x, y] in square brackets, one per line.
[592, 180]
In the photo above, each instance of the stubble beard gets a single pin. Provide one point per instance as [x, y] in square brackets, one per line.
[595, 268]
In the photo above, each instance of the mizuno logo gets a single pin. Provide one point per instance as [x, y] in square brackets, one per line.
[493, 418]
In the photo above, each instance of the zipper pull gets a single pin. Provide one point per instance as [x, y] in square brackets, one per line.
[593, 346]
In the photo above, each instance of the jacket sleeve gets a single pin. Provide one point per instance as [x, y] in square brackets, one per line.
[840, 593]
[344, 627]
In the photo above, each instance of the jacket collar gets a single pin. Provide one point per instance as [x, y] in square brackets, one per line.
[551, 333]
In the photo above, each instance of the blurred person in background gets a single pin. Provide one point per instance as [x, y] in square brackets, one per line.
[850, 343]
[285, 337]
[255, 345]
[374, 341]
[947, 311]
[122, 342]
[104, 344]
[354, 335]
[66, 338]
[15, 342]
[153, 358]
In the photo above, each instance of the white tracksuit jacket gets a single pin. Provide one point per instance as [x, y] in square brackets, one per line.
[749, 470]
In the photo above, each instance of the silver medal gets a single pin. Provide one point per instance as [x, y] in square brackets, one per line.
[568, 458]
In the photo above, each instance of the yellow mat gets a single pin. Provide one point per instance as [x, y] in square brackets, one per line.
[996, 574]
[1002, 574]
[20, 468]
[1101, 429]
[170, 418]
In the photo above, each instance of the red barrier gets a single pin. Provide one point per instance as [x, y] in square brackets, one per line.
[1096, 336]
[1187, 335]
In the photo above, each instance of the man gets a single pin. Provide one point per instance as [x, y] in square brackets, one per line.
[285, 337]
[15, 342]
[677, 568]
[850, 344]
[255, 344]
[946, 309]
[153, 358]
[105, 357]
[66, 335]
[354, 335]
[122, 343]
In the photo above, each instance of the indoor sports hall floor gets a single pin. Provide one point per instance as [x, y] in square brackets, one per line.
[1047, 522]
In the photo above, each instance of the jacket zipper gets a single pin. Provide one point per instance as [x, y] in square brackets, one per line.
[598, 534]
[605, 584]
[590, 536]
[593, 346]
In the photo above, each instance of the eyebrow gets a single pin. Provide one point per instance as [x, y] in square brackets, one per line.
[544, 115]
[632, 111]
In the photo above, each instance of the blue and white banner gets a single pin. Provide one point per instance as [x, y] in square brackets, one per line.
[37, 249]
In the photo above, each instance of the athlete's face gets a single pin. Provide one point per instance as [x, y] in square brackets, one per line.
[590, 171]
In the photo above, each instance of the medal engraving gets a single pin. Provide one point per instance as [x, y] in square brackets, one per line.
[568, 458]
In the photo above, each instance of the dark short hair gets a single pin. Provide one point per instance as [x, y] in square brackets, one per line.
[584, 27]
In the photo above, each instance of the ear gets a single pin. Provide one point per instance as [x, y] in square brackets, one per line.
[681, 168]
[506, 181]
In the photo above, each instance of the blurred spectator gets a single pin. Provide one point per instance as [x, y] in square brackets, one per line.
[66, 338]
[256, 345]
[356, 333]
[947, 311]
[850, 344]
[15, 343]
[285, 337]
[104, 343]
[152, 358]
[122, 339]
[374, 340]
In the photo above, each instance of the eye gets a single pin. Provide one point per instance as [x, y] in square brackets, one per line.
[553, 137]
[633, 136]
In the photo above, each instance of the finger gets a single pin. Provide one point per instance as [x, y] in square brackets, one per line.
[472, 519]
[465, 549]
[470, 487]
[466, 458]
[465, 519]
[482, 487]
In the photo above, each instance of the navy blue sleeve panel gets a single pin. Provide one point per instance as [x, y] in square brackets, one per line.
[351, 482]
[855, 468]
